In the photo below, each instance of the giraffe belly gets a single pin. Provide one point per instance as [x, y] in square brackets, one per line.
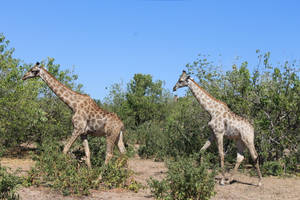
[232, 132]
[96, 128]
[98, 133]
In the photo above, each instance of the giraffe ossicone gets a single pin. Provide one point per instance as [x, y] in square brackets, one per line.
[88, 117]
[223, 123]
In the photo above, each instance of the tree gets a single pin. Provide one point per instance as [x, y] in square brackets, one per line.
[29, 110]
[144, 99]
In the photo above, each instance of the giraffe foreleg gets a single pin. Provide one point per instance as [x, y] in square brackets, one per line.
[254, 157]
[76, 133]
[79, 128]
[219, 139]
[87, 151]
[207, 143]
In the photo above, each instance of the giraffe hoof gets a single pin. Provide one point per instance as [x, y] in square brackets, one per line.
[230, 180]
[222, 182]
[259, 184]
[99, 178]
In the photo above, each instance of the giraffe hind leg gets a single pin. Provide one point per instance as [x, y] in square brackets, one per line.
[239, 158]
[109, 154]
[110, 143]
[121, 143]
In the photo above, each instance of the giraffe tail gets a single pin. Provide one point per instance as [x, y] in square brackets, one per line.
[121, 143]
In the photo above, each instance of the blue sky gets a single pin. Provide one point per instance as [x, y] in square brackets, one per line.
[109, 41]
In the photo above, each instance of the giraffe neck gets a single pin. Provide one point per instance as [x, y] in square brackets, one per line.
[209, 103]
[63, 92]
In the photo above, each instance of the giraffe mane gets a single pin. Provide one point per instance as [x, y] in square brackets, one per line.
[61, 83]
[213, 98]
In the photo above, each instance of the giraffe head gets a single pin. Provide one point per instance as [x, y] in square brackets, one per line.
[33, 72]
[182, 81]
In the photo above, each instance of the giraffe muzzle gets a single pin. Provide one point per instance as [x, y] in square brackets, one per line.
[174, 88]
[24, 77]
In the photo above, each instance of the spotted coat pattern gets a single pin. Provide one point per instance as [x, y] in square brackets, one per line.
[223, 123]
[88, 117]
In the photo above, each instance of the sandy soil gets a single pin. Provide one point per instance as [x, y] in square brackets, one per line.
[244, 188]
[273, 188]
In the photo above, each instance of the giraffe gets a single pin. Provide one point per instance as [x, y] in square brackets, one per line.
[223, 123]
[88, 117]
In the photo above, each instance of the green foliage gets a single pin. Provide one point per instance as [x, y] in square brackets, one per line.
[268, 97]
[181, 134]
[70, 175]
[153, 139]
[61, 172]
[8, 185]
[98, 150]
[187, 127]
[273, 168]
[144, 100]
[29, 110]
[186, 179]
[117, 175]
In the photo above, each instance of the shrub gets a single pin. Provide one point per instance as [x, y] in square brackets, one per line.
[274, 168]
[185, 180]
[291, 163]
[8, 184]
[66, 174]
[116, 175]
[98, 150]
[153, 140]
[60, 171]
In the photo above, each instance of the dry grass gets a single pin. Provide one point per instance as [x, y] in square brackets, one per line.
[243, 189]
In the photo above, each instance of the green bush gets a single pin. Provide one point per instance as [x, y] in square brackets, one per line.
[273, 168]
[185, 179]
[153, 140]
[267, 96]
[117, 175]
[98, 149]
[29, 110]
[60, 172]
[8, 185]
[69, 175]
[291, 163]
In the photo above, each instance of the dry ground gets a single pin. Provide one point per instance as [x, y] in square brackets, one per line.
[244, 189]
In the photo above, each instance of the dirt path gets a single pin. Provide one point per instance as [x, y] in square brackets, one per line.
[143, 170]
[273, 188]
[244, 189]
